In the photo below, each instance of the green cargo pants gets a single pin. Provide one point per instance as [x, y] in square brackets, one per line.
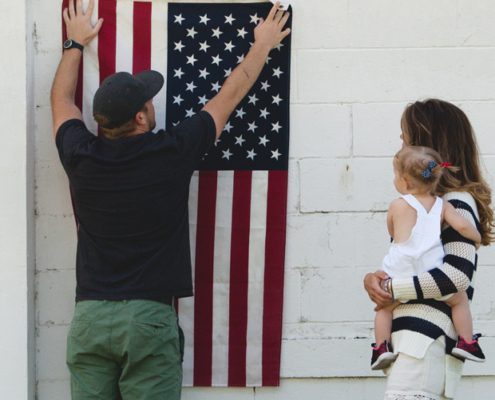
[130, 347]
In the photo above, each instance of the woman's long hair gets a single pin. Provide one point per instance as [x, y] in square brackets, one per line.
[445, 128]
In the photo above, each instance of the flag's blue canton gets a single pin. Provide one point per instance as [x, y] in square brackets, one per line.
[205, 43]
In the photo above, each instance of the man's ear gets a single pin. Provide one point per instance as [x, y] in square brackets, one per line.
[140, 118]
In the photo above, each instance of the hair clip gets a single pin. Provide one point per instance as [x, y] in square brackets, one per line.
[445, 164]
[427, 172]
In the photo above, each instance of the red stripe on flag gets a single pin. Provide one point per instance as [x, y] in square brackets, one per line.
[142, 37]
[203, 285]
[274, 276]
[79, 87]
[239, 277]
[107, 38]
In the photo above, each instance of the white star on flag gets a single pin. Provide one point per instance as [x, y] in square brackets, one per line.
[178, 73]
[204, 19]
[276, 99]
[276, 127]
[229, 19]
[252, 126]
[202, 100]
[239, 140]
[203, 73]
[191, 60]
[179, 46]
[190, 113]
[277, 72]
[253, 99]
[263, 140]
[178, 99]
[204, 46]
[240, 113]
[275, 154]
[191, 86]
[227, 154]
[265, 86]
[216, 33]
[178, 19]
[254, 19]
[227, 72]
[240, 58]
[215, 86]
[241, 32]
[251, 154]
[264, 113]
[216, 60]
[279, 46]
[229, 46]
[228, 126]
[191, 32]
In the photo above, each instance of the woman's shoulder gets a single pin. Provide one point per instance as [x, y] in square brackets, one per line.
[462, 200]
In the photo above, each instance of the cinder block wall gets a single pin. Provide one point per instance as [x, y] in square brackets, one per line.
[356, 64]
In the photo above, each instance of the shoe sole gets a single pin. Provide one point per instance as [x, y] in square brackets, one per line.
[383, 361]
[466, 356]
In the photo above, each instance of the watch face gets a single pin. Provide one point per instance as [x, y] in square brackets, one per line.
[67, 44]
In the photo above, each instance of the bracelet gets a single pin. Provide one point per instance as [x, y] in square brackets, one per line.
[386, 285]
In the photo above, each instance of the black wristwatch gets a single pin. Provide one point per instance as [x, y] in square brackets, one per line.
[72, 44]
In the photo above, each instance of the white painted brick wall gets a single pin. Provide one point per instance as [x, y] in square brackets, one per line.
[356, 64]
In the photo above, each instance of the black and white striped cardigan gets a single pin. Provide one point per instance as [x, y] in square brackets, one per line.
[423, 319]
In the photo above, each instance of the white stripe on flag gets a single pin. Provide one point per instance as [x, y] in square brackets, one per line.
[91, 76]
[159, 20]
[221, 278]
[257, 237]
[186, 305]
[125, 36]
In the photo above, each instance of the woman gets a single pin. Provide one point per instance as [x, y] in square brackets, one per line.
[423, 333]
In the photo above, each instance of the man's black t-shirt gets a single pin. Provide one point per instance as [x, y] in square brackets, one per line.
[131, 203]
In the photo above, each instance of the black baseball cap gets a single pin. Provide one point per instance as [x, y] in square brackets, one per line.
[122, 95]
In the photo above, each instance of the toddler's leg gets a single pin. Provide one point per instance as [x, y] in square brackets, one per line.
[383, 324]
[461, 315]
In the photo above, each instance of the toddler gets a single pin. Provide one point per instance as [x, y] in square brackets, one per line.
[414, 222]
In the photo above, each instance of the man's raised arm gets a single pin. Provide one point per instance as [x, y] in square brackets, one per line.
[80, 31]
[268, 34]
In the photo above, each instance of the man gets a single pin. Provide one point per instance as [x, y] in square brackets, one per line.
[130, 189]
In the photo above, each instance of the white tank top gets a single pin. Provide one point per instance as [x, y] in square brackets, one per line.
[423, 250]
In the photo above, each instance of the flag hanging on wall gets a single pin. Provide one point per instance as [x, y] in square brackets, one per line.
[238, 197]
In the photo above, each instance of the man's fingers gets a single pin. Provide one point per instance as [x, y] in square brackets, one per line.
[285, 33]
[91, 6]
[79, 7]
[284, 20]
[273, 11]
[72, 10]
[280, 14]
[65, 14]
[98, 26]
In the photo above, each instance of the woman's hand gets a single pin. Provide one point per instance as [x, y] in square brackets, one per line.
[376, 294]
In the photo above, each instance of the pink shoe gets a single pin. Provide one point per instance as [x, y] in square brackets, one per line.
[469, 350]
[382, 356]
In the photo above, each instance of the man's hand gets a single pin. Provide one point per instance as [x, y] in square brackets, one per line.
[78, 22]
[375, 292]
[79, 29]
[270, 32]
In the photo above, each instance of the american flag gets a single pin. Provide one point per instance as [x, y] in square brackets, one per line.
[238, 198]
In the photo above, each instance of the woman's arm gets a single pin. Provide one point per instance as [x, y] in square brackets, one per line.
[453, 276]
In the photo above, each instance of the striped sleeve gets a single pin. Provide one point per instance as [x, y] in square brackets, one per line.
[454, 275]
